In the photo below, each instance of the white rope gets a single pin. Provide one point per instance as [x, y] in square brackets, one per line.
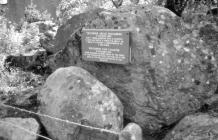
[21, 128]
[61, 120]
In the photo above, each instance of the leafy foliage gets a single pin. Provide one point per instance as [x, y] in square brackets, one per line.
[10, 40]
[16, 40]
[178, 6]
[68, 8]
[34, 15]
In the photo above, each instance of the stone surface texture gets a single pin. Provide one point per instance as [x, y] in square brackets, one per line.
[195, 127]
[171, 72]
[73, 94]
[131, 132]
[10, 128]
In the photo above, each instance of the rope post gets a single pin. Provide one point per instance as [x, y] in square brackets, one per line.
[131, 132]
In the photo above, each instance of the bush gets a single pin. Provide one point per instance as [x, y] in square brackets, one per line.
[34, 15]
[14, 42]
[17, 42]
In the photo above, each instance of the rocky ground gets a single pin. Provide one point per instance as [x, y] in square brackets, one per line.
[167, 92]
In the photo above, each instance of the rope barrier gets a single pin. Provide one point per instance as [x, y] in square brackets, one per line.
[61, 120]
[21, 128]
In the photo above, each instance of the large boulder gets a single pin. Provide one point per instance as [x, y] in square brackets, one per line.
[171, 72]
[12, 129]
[75, 95]
[195, 127]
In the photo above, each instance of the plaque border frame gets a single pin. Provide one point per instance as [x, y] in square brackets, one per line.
[111, 30]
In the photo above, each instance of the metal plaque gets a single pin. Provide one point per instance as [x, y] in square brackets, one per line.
[106, 45]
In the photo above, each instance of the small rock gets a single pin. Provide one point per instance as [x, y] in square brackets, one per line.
[73, 94]
[10, 128]
[131, 132]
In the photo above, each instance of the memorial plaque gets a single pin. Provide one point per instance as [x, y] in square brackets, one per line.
[106, 45]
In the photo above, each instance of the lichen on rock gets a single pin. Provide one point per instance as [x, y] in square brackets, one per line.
[195, 127]
[74, 94]
[171, 72]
